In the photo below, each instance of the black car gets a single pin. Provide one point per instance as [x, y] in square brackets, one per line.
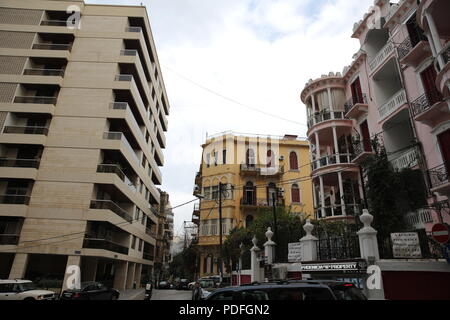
[343, 290]
[283, 290]
[91, 291]
[164, 285]
[183, 284]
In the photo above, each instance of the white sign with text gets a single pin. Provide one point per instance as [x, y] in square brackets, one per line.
[295, 252]
[406, 245]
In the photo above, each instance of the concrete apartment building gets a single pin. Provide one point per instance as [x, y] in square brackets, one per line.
[395, 90]
[253, 168]
[83, 115]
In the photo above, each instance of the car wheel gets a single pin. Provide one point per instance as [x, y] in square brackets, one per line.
[114, 297]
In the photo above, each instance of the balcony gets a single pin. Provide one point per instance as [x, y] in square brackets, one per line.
[44, 72]
[338, 211]
[439, 179]
[361, 151]
[356, 107]
[413, 52]
[114, 168]
[110, 205]
[150, 232]
[381, 57]
[14, 199]
[129, 53]
[54, 23]
[148, 256]
[261, 202]
[442, 65]
[332, 160]
[325, 116]
[393, 105]
[90, 243]
[35, 100]
[120, 136]
[408, 159]
[430, 109]
[262, 170]
[124, 77]
[19, 163]
[9, 239]
[53, 46]
[25, 130]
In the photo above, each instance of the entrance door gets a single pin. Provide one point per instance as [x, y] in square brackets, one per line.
[444, 142]
[357, 92]
[429, 84]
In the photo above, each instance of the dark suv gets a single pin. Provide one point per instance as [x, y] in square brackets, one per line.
[289, 290]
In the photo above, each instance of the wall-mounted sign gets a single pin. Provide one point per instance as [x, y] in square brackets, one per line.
[406, 245]
[295, 252]
[350, 266]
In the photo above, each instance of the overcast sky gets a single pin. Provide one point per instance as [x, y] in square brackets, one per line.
[259, 53]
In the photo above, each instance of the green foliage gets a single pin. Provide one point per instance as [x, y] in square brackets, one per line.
[183, 264]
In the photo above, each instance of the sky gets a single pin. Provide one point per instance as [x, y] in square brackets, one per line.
[258, 54]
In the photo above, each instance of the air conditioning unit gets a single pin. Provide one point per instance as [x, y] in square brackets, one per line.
[279, 272]
[281, 158]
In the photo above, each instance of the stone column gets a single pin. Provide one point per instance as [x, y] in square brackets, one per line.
[309, 243]
[435, 37]
[71, 261]
[341, 193]
[241, 246]
[368, 238]
[313, 101]
[330, 102]
[130, 275]
[138, 274]
[255, 269]
[269, 247]
[336, 145]
[322, 196]
[120, 275]
[19, 266]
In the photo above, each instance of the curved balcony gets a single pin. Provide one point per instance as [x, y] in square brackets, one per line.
[332, 160]
[321, 120]
[260, 202]
[430, 109]
[439, 179]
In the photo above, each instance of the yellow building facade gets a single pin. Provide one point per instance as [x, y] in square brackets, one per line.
[254, 170]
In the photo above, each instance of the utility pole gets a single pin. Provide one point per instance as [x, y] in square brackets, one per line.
[275, 229]
[220, 231]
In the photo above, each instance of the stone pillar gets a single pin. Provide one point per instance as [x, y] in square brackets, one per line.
[137, 275]
[330, 102]
[255, 269]
[336, 145]
[71, 261]
[241, 246]
[435, 37]
[317, 146]
[19, 266]
[313, 101]
[130, 275]
[368, 238]
[309, 243]
[120, 275]
[322, 196]
[269, 247]
[341, 193]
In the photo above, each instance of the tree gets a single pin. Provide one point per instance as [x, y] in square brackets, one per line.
[183, 264]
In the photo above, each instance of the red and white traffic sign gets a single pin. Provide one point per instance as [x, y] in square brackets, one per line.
[440, 233]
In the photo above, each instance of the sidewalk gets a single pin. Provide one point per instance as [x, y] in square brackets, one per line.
[131, 294]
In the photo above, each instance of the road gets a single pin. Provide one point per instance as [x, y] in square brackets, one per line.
[165, 295]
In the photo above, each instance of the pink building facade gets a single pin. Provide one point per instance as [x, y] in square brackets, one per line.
[396, 89]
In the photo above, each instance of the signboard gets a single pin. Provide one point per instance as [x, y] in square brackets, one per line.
[351, 266]
[440, 233]
[406, 245]
[295, 252]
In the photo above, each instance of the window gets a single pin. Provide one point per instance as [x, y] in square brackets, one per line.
[207, 193]
[224, 156]
[208, 160]
[223, 296]
[249, 194]
[214, 230]
[295, 194]
[216, 156]
[215, 192]
[133, 242]
[270, 159]
[250, 158]
[293, 161]
[140, 244]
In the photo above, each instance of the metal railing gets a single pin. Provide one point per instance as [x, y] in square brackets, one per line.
[261, 202]
[19, 163]
[52, 46]
[110, 205]
[118, 105]
[133, 29]
[338, 210]
[439, 176]
[381, 56]
[408, 159]
[394, 103]
[44, 72]
[262, 169]
[121, 136]
[150, 232]
[25, 130]
[14, 199]
[338, 247]
[91, 243]
[359, 147]
[325, 116]
[35, 100]
[128, 52]
[410, 43]
[124, 77]
[9, 239]
[330, 160]
[354, 101]
[54, 23]
[114, 168]
[425, 102]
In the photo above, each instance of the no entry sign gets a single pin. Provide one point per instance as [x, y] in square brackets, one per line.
[440, 233]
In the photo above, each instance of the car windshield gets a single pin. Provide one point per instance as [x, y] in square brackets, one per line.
[28, 286]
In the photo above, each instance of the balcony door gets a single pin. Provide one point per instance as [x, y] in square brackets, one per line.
[250, 159]
[444, 143]
[250, 194]
[429, 84]
[366, 136]
[357, 94]
[271, 193]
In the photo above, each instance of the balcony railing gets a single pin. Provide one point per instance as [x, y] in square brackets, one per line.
[263, 170]
[54, 23]
[261, 202]
[394, 103]
[133, 29]
[14, 199]
[52, 46]
[445, 55]
[150, 232]
[332, 159]
[338, 210]
[148, 256]
[407, 159]
[408, 45]
[35, 100]
[9, 239]
[425, 102]
[439, 176]
[124, 77]
[129, 52]
[381, 56]
[119, 105]
[121, 136]
[44, 72]
[325, 116]
[110, 205]
[25, 130]
[113, 168]
[354, 101]
[19, 163]
[90, 243]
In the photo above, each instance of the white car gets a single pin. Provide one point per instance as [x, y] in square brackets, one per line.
[23, 290]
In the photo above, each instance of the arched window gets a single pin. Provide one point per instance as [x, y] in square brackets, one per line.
[293, 161]
[248, 221]
[250, 159]
[295, 194]
[270, 159]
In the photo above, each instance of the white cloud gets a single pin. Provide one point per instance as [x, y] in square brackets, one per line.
[258, 52]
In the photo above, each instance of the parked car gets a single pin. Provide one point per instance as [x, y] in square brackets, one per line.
[183, 284]
[283, 290]
[203, 288]
[164, 285]
[23, 290]
[91, 291]
[343, 290]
